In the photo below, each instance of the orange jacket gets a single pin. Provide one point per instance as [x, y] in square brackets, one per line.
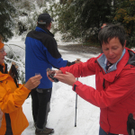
[11, 100]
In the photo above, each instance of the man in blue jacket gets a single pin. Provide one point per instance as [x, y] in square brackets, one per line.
[42, 53]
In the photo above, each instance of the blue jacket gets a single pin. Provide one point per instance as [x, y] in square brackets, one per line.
[42, 53]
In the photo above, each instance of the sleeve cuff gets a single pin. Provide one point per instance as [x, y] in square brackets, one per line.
[21, 86]
[62, 70]
[77, 83]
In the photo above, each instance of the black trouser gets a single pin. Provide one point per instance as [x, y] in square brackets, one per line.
[40, 106]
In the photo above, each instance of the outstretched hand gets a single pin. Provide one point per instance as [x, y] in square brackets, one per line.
[77, 61]
[33, 82]
[52, 72]
[67, 78]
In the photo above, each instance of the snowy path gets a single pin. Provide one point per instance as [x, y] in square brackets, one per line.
[62, 115]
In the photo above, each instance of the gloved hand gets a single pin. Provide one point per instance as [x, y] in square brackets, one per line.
[131, 125]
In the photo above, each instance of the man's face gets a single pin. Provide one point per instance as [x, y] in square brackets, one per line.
[113, 50]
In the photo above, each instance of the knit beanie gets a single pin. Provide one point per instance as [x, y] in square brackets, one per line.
[1, 44]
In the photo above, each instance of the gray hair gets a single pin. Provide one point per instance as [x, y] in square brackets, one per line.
[112, 31]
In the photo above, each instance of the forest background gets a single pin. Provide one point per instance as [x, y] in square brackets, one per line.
[74, 19]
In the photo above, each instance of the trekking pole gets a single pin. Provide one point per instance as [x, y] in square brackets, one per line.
[76, 103]
[76, 109]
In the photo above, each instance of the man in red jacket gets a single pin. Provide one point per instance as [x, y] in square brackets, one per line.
[115, 74]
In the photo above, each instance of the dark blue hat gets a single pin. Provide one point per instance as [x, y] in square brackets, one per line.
[44, 18]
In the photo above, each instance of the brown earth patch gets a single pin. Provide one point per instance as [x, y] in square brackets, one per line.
[80, 48]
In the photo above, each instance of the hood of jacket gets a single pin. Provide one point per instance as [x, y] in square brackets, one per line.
[131, 60]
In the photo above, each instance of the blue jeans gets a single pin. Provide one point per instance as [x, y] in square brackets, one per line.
[102, 132]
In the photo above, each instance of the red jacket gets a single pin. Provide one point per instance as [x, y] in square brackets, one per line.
[114, 93]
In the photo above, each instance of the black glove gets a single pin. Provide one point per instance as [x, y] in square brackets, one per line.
[131, 125]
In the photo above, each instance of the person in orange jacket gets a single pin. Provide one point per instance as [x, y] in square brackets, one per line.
[12, 97]
[114, 72]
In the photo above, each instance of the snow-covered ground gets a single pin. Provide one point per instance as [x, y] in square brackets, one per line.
[62, 114]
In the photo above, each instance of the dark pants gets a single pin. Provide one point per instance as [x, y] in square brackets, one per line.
[40, 106]
[102, 132]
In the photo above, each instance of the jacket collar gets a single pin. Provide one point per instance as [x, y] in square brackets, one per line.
[41, 29]
[120, 65]
[131, 60]
[103, 61]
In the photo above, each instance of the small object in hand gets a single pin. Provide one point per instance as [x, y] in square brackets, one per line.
[51, 75]
[78, 59]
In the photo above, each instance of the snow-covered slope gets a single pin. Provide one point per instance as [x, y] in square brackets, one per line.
[62, 114]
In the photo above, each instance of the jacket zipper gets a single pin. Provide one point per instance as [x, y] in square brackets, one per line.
[103, 74]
